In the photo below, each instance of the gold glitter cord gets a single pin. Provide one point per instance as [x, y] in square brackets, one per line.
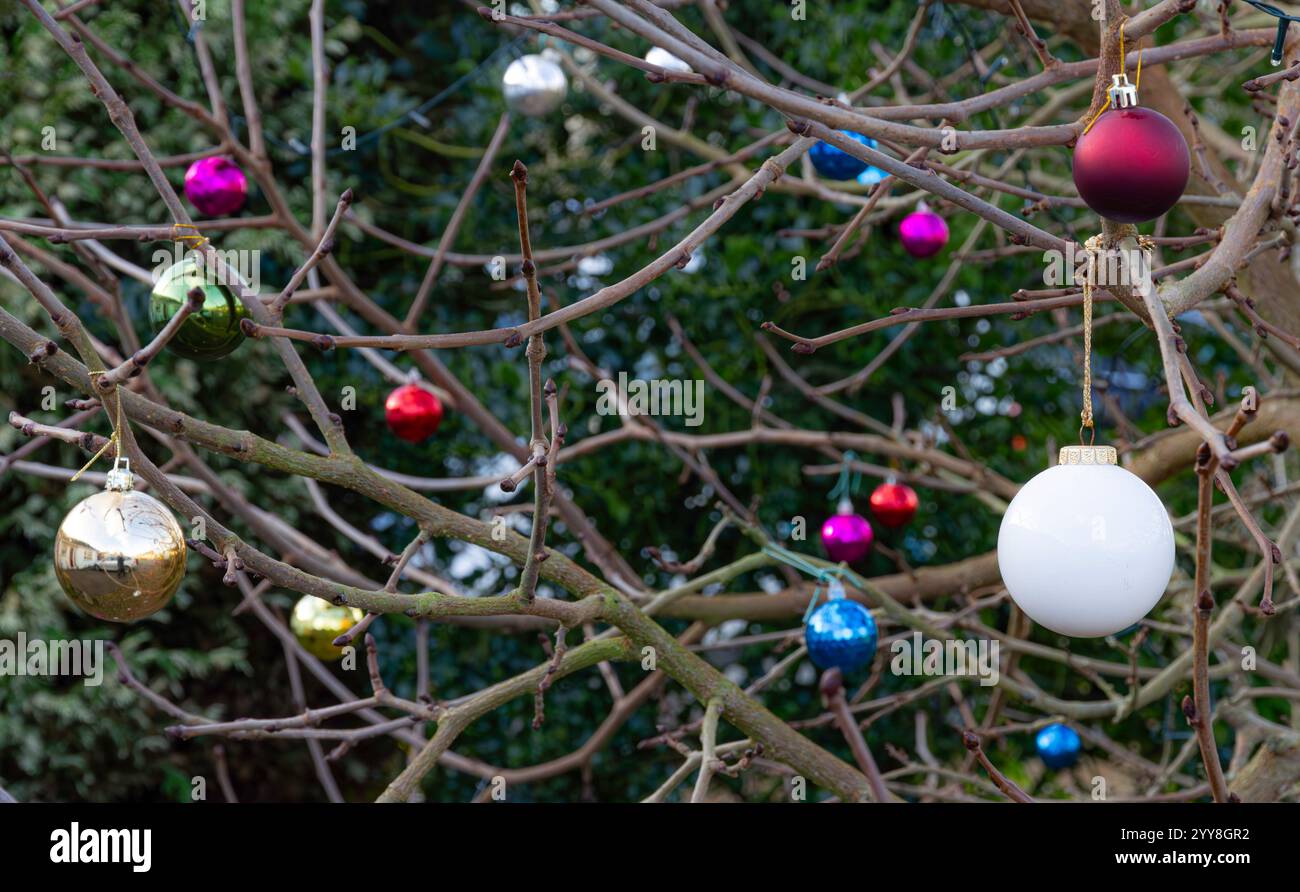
[191, 238]
[114, 440]
[1093, 248]
[1137, 78]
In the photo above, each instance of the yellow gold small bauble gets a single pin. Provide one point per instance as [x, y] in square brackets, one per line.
[316, 623]
[120, 554]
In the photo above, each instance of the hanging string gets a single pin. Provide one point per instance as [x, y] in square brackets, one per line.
[1137, 78]
[849, 480]
[828, 576]
[785, 556]
[812, 604]
[113, 440]
[834, 592]
[1123, 64]
[1093, 248]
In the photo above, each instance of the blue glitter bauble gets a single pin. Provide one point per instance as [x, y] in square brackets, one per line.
[836, 164]
[1058, 746]
[841, 633]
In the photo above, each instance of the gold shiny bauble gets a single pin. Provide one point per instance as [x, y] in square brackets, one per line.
[120, 555]
[210, 332]
[316, 623]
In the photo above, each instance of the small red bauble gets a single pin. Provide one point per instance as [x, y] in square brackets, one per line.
[1132, 165]
[894, 504]
[412, 412]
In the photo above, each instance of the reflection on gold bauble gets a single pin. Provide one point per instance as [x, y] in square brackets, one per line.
[316, 623]
[120, 554]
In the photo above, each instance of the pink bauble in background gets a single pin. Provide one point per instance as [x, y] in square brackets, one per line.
[923, 232]
[216, 186]
[846, 536]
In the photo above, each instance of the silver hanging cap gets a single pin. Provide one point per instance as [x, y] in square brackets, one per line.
[120, 478]
[1122, 93]
[844, 506]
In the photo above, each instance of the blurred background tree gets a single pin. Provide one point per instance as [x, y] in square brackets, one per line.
[61, 740]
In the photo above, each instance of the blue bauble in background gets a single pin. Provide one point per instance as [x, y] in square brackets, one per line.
[836, 164]
[1058, 746]
[841, 633]
[871, 176]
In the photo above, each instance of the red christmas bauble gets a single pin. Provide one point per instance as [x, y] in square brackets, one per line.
[1132, 165]
[894, 504]
[412, 412]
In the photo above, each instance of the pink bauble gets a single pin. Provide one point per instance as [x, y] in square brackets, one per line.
[923, 232]
[846, 537]
[216, 186]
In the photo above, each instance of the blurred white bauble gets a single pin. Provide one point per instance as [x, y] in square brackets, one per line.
[695, 263]
[666, 60]
[595, 265]
[534, 85]
[1086, 548]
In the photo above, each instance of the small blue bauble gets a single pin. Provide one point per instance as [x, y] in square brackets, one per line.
[836, 164]
[841, 633]
[871, 176]
[1058, 746]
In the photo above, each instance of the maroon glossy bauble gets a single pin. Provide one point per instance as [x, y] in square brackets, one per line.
[1132, 165]
[216, 186]
[894, 504]
[846, 537]
[412, 412]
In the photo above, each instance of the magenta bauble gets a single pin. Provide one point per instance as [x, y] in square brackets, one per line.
[846, 537]
[1132, 165]
[923, 232]
[216, 186]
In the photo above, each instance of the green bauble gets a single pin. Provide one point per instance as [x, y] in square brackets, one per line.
[213, 330]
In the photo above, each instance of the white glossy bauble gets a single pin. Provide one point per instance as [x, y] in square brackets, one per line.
[534, 85]
[666, 60]
[1086, 549]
